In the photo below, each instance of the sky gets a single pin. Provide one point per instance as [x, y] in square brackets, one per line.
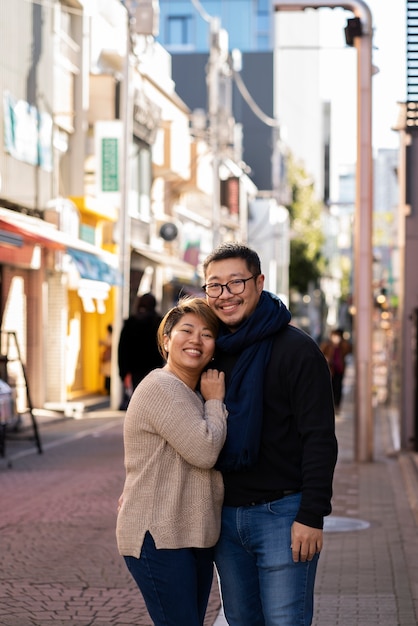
[389, 85]
[339, 68]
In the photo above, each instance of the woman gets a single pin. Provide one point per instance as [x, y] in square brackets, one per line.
[336, 350]
[169, 517]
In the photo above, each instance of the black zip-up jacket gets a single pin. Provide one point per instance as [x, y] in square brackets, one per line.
[298, 445]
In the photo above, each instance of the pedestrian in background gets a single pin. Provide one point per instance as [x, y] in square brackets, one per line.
[170, 508]
[335, 350]
[138, 351]
[280, 453]
[106, 357]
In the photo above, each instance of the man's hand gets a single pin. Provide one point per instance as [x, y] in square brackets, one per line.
[306, 542]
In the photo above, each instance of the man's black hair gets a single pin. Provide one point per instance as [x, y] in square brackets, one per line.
[146, 302]
[234, 250]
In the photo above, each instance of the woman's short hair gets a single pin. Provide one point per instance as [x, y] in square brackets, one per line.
[188, 304]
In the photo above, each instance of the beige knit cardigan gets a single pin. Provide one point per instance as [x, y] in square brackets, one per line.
[172, 439]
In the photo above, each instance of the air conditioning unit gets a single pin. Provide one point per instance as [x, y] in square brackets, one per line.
[147, 18]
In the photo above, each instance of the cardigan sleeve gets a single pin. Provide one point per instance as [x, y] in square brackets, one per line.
[164, 406]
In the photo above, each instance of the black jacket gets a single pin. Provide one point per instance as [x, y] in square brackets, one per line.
[298, 445]
[138, 352]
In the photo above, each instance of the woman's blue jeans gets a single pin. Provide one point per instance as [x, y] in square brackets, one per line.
[260, 583]
[175, 584]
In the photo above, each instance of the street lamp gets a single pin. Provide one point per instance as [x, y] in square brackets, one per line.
[360, 34]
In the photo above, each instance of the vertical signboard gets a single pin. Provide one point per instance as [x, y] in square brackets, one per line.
[108, 140]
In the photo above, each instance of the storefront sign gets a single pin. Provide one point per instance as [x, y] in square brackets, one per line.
[27, 132]
[108, 146]
[147, 116]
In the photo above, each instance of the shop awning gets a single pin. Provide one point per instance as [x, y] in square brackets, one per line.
[91, 262]
[174, 268]
[30, 229]
[10, 238]
[92, 267]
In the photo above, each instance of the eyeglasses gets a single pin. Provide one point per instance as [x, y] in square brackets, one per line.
[235, 287]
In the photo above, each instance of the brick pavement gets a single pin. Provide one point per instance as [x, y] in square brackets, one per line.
[59, 563]
[369, 577]
[368, 570]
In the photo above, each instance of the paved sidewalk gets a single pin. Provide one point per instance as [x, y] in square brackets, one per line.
[57, 547]
[368, 570]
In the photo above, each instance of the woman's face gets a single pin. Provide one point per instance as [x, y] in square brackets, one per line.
[191, 344]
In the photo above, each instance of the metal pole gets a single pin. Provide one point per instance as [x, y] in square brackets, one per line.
[124, 222]
[363, 284]
[363, 249]
[212, 81]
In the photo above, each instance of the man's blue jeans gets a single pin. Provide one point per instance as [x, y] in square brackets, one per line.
[175, 584]
[260, 583]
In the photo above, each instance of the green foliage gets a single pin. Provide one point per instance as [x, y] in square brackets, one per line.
[303, 270]
[306, 261]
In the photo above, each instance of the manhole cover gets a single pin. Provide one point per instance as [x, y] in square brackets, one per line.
[344, 524]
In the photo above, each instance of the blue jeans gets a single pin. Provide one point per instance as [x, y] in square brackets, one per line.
[175, 584]
[260, 583]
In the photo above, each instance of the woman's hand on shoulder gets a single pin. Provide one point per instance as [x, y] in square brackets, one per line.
[212, 385]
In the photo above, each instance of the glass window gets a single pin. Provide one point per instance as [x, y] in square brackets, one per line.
[141, 180]
[263, 42]
[263, 23]
[179, 32]
[263, 6]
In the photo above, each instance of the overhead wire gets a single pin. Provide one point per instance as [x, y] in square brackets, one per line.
[266, 119]
[203, 14]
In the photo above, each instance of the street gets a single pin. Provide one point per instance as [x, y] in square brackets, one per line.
[58, 550]
[60, 563]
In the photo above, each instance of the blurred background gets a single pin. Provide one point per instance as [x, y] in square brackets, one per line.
[138, 135]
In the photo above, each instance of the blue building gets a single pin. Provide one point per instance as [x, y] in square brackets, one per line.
[185, 33]
[183, 24]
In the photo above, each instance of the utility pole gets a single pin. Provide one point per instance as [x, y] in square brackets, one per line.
[124, 220]
[218, 56]
[363, 250]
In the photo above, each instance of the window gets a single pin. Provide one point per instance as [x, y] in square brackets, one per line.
[179, 30]
[141, 180]
[264, 25]
[263, 6]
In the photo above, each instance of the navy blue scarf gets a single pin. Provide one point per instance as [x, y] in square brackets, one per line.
[244, 395]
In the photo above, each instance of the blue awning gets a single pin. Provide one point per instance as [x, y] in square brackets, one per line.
[92, 267]
[12, 239]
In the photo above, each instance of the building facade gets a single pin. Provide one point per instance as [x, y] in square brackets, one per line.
[105, 192]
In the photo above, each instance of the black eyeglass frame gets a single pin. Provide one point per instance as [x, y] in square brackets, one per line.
[234, 280]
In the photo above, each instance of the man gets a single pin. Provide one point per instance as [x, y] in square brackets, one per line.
[138, 352]
[279, 457]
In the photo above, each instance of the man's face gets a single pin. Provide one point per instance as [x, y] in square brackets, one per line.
[231, 309]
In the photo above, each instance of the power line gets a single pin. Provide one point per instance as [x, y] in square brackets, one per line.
[203, 14]
[269, 121]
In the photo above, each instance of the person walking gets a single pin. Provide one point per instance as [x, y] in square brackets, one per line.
[280, 452]
[138, 351]
[170, 508]
[335, 350]
[106, 358]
